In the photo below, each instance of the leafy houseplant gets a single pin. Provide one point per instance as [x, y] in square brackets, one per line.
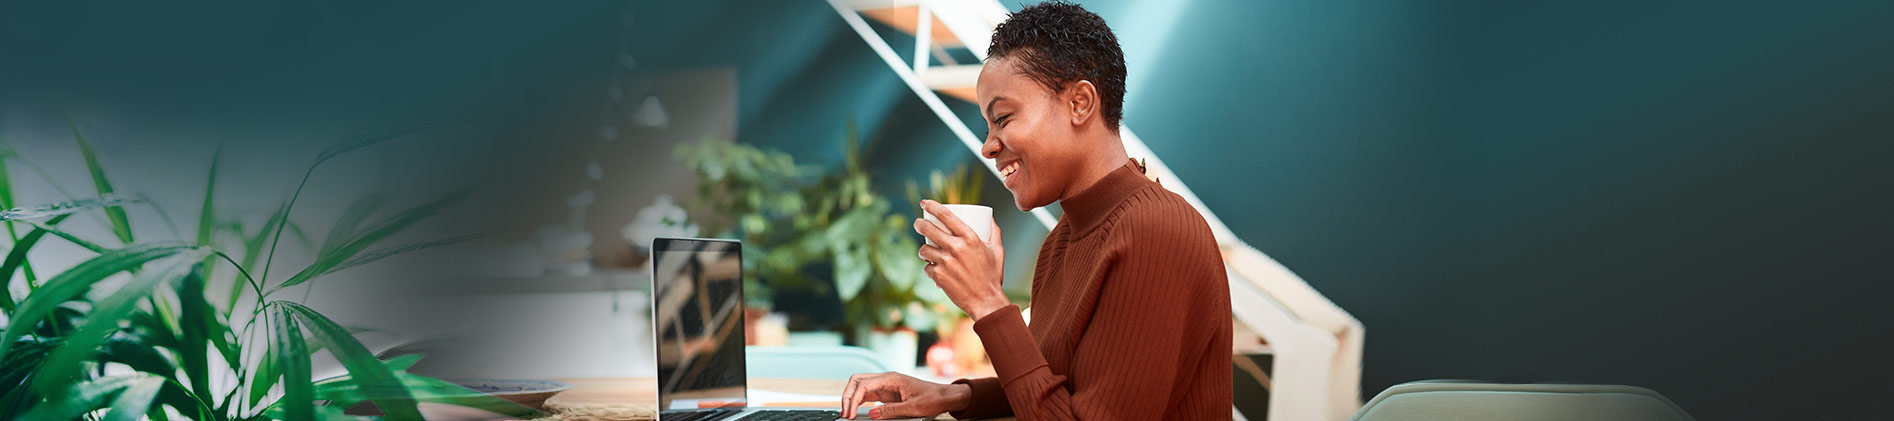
[799, 220]
[164, 344]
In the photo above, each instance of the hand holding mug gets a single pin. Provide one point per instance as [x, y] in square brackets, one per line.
[966, 264]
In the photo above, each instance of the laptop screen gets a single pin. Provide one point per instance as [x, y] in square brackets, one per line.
[697, 303]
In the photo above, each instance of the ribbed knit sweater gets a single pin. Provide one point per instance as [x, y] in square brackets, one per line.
[1130, 316]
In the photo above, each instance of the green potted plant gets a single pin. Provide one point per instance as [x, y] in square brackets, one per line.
[800, 221]
[149, 347]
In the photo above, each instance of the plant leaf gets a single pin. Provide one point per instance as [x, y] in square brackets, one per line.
[894, 255]
[121, 226]
[372, 256]
[75, 240]
[343, 392]
[326, 262]
[376, 135]
[136, 355]
[253, 249]
[351, 220]
[207, 218]
[198, 330]
[135, 400]
[16, 258]
[17, 367]
[376, 380]
[91, 395]
[68, 362]
[292, 359]
[77, 280]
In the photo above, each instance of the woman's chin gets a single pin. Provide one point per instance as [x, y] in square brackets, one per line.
[1019, 201]
[1026, 203]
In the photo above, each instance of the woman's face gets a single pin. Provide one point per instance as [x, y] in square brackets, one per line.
[1030, 135]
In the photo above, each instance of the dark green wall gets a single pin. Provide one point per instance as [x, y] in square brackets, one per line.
[1689, 197]
[1686, 197]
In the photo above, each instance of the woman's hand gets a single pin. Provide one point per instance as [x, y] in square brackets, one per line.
[902, 396]
[967, 269]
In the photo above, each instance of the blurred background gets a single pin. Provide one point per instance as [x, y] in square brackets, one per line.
[1688, 197]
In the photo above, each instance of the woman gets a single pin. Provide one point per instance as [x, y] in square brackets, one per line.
[1131, 306]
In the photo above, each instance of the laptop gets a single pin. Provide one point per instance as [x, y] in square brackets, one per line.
[697, 306]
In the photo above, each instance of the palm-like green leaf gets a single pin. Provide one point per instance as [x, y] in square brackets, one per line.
[136, 400]
[69, 362]
[131, 396]
[343, 391]
[292, 359]
[253, 250]
[207, 215]
[376, 135]
[137, 355]
[383, 253]
[375, 379]
[77, 280]
[91, 395]
[333, 257]
[6, 202]
[16, 368]
[121, 226]
[200, 331]
[351, 221]
[16, 259]
[75, 240]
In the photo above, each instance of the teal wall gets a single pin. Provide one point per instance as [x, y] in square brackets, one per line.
[1688, 197]
[1680, 196]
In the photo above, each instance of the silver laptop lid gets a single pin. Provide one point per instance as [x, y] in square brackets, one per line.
[697, 306]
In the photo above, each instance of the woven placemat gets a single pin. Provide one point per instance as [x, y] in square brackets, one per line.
[563, 411]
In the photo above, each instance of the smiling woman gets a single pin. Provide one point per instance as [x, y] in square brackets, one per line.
[1129, 289]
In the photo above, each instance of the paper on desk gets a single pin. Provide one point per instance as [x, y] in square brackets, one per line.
[760, 397]
[771, 398]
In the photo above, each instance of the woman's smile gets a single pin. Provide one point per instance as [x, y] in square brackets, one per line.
[1009, 174]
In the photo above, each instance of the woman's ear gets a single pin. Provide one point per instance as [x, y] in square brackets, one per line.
[1081, 101]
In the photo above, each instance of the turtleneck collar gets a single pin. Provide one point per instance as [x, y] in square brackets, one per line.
[1089, 207]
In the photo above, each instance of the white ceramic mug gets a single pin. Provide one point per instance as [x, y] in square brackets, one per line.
[980, 218]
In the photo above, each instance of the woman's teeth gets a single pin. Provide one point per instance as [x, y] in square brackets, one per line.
[1009, 170]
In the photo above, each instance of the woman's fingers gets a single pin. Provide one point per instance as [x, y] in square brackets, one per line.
[933, 232]
[993, 236]
[954, 225]
[867, 387]
[933, 254]
[899, 410]
[848, 394]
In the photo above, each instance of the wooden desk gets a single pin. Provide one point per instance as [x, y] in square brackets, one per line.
[630, 399]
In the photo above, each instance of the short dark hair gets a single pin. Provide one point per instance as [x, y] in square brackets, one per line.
[1059, 43]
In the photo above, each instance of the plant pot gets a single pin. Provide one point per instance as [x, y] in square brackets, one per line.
[896, 348]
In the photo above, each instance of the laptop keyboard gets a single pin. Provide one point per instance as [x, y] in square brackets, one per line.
[705, 415]
[793, 415]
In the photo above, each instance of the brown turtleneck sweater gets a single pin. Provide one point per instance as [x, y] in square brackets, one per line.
[1130, 315]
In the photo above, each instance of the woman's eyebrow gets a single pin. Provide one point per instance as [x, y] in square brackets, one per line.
[989, 107]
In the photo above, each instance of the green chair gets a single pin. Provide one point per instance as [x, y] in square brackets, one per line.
[1468, 401]
[809, 362]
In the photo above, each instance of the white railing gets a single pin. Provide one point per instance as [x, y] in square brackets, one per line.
[1316, 345]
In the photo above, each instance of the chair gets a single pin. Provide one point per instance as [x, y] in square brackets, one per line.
[810, 362]
[1467, 401]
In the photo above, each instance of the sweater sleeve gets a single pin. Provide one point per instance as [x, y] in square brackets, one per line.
[1138, 343]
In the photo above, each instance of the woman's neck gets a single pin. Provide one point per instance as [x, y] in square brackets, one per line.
[1108, 159]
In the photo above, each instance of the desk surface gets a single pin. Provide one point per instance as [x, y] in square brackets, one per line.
[633, 398]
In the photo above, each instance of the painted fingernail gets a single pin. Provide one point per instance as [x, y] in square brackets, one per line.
[874, 413]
